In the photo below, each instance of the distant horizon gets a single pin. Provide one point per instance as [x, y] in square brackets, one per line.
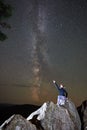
[38, 104]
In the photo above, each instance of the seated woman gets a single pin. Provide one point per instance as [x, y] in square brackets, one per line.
[62, 94]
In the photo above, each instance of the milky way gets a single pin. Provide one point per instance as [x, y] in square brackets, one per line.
[39, 50]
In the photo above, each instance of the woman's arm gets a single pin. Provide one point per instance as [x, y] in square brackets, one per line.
[56, 85]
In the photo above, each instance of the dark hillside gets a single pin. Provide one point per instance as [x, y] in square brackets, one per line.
[7, 110]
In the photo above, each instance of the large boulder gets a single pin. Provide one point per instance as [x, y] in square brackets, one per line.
[17, 122]
[82, 110]
[54, 117]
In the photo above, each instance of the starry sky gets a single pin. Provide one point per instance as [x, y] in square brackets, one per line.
[47, 41]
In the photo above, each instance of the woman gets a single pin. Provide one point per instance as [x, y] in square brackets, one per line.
[62, 93]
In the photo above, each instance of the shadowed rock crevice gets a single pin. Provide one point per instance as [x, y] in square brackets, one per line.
[82, 110]
[37, 123]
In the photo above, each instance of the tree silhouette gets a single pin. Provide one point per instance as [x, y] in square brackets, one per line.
[5, 12]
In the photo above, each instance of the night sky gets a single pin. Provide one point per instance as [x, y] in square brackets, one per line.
[47, 41]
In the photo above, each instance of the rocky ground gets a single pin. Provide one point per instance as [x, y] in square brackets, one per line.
[48, 117]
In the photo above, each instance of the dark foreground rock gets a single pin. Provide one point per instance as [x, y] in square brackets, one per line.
[48, 117]
[17, 122]
[82, 110]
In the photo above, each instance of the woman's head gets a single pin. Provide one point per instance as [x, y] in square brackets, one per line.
[61, 86]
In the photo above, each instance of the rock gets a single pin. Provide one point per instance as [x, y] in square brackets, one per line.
[40, 112]
[17, 122]
[82, 110]
[53, 117]
[48, 117]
